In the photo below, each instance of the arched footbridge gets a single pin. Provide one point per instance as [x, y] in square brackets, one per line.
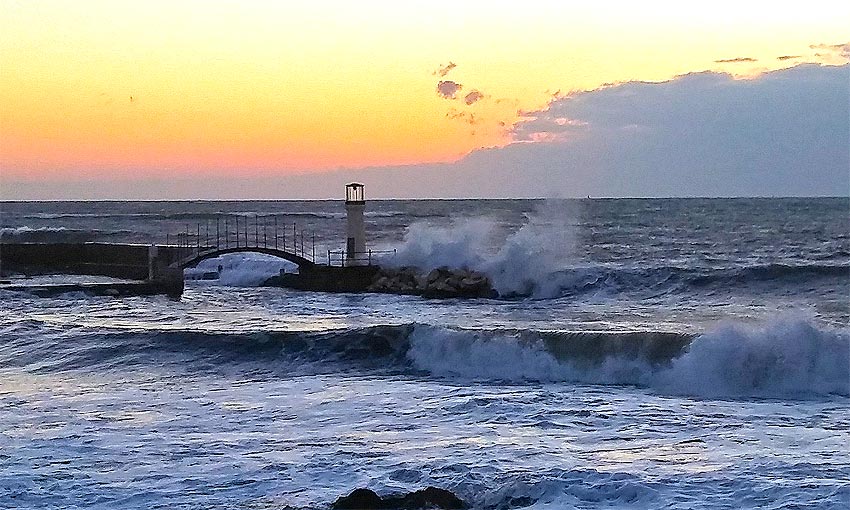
[196, 257]
[266, 235]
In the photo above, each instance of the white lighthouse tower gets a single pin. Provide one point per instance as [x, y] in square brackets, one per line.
[355, 203]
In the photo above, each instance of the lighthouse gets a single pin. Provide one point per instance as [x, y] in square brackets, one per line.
[355, 203]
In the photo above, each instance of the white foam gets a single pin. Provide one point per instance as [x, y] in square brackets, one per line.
[577, 489]
[521, 263]
[783, 359]
[241, 269]
[13, 231]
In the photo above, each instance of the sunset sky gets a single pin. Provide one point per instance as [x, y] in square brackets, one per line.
[129, 92]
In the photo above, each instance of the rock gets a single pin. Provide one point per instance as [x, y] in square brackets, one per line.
[441, 282]
[421, 282]
[443, 286]
[427, 498]
[470, 282]
[111, 292]
[359, 499]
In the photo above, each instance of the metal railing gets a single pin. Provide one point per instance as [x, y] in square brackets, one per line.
[343, 258]
[267, 232]
[227, 233]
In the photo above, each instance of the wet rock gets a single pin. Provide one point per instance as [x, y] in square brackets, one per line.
[359, 499]
[427, 498]
[442, 282]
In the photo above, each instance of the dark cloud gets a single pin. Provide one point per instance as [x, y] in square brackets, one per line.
[788, 57]
[448, 89]
[735, 60]
[444, 69]
[473, 97]
[782, 133]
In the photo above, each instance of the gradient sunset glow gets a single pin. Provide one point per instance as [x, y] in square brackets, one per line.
[129, 90]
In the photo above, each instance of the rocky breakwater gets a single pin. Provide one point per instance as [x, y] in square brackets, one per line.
[443, 282]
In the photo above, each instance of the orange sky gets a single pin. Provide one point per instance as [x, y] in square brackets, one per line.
[149, 89]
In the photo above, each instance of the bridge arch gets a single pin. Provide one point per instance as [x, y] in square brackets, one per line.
[196, 258]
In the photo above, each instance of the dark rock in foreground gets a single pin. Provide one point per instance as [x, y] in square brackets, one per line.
[428, 498]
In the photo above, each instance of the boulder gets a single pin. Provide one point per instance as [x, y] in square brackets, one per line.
[441, 282]
[359, 499]
[427, 498]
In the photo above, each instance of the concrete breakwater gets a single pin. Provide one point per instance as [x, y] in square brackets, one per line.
[158, 269]
[146, 265]
[117, 261]
[172, 288]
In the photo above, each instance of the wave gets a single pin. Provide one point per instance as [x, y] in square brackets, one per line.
[519, 264]
[26, 234]
[607, 280]
[199, 215]
[771, 272]
[541, 260]
[239, 269]
[56, 216]
[781, 360]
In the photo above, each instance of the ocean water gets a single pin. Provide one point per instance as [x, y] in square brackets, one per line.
[680, 353]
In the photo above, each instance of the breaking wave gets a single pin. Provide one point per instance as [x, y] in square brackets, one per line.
[239, 269]
[780, 360]
[521, 264]
[538, 261]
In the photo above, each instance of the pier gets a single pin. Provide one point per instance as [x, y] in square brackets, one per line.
[158, 267]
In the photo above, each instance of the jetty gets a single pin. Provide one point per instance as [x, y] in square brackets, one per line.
[158, 268]
[145, 269]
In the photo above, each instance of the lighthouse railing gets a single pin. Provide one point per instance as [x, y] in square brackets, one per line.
[344, 258]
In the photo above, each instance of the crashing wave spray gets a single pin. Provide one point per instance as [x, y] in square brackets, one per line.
[519, 264]
[241, 269]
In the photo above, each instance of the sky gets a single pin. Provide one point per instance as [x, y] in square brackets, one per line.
[218, 99]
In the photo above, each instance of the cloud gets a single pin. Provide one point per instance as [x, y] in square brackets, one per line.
[444, 69]
[788, 57]
[840, 48]
[783, 133]
[735, 60]
[473, 97]
[448, 89]
[467, 117]
[549, 129]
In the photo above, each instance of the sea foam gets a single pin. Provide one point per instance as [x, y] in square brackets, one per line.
[241, 269]
[783, 359]
[520, 263]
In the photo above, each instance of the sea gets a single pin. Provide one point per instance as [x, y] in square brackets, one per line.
[644, 353]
